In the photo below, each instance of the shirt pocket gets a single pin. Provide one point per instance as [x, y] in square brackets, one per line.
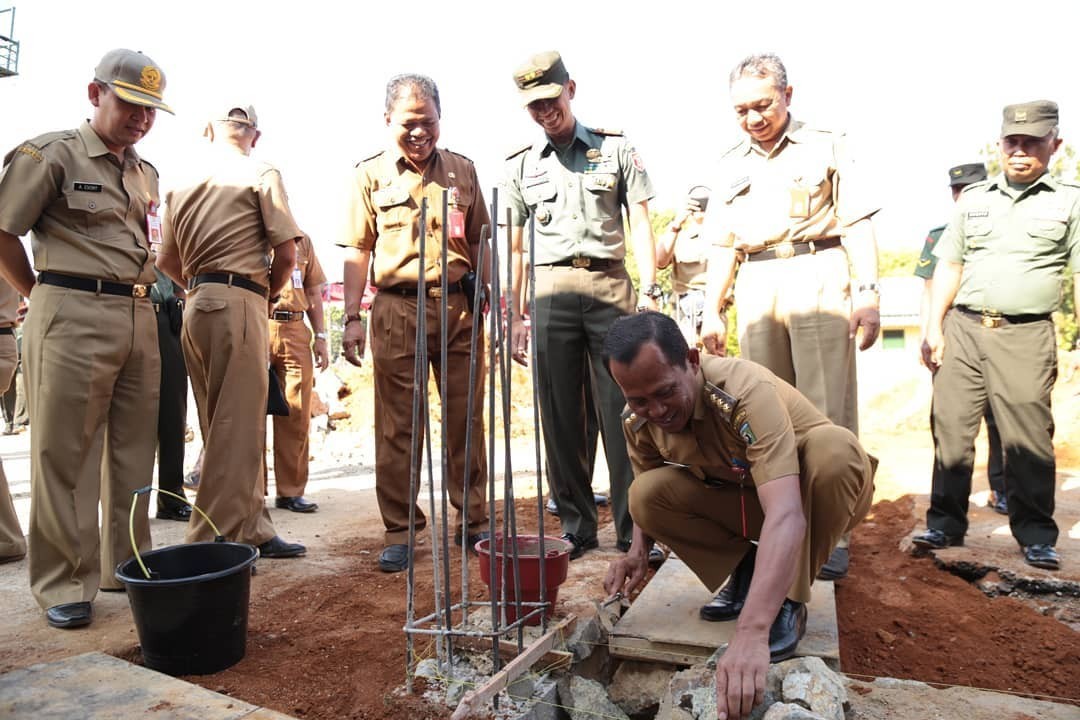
[393, 210]
[1046, 228]
[92, 213]
[539, 192]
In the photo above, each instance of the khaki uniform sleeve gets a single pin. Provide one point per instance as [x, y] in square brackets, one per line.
[359, 229]
[636, 180]
[851, 194]
[641, 449]
[274, 205]
[168, 233]
[313, 272]
[476, 215]
[1073, 237]
[763, 423]
[29, 183]
[950, 246]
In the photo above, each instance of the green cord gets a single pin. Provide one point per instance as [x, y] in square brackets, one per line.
[131, 521]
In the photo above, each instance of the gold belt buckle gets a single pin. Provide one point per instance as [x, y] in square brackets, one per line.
[139, 291]
[434, 291]
[991, 320]
[784, 250]
[581, 262]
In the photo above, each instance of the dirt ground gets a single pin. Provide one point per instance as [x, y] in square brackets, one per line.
[325, 632]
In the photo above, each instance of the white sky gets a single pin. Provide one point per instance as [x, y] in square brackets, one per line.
[918, 86]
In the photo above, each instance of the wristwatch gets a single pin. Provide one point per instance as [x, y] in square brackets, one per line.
[352, 317]
[653, 291]
[321, 336]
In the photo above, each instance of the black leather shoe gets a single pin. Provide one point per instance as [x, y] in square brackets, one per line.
[656, 556]
[191, 480]
[394, 558]
[599, 500]
[473, 539]
[999, 503]
[1042, 556]
[297, 504]
[552, 507]
[275, 547]
[580, 544]
[728, 603]
[933, 539]
[787, 630]
[836, 567]
[69, 615]
[181, 513]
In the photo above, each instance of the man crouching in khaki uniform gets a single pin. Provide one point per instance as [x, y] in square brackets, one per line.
[219, 232]
[730, 460]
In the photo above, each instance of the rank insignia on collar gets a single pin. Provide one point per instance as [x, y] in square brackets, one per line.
[592, 153]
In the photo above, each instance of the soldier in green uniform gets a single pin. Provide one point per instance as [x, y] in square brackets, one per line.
[959, 178]
[728, 457]
[576, 181]
[991, 338]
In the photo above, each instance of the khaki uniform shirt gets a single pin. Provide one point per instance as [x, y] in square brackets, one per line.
[307, 273]
[1013, 244]
[804, 189]
[384, 216]
[87, 210]
[746, 428]
[577, 194]
[9, 305]
[689, 266]
[228, 218]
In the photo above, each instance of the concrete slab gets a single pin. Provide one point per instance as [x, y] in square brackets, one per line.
[96, 686]
[663, 624]
[990, 547]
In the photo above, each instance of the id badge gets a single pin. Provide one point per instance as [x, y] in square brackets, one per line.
[153, 227]
[800, 202]
[456, 219]
[297, 280]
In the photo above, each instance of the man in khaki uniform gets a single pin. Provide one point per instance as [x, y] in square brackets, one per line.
[12, 542]
[788, 204]
[91, 356]
[577, 184]
[683, 247]
[728, 456]
[991, 337]
[221, 228]
[384, 220]
[290, 356]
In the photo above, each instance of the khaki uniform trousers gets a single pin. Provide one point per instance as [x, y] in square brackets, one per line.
[794, 317]
[290, 355]
[1010, 369]
[92, 369]
[575, 308]
[225, 340]
[12, 542]
[704, 523]
[393, 348]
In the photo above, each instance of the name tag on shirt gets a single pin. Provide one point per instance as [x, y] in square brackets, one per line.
[297, 279]
[87, 187]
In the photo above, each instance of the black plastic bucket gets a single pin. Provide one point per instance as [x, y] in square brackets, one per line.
[192, 614]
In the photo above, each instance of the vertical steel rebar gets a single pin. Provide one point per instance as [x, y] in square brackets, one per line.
[542, 550]
[494, 319]
[444, 362]
[509, 509]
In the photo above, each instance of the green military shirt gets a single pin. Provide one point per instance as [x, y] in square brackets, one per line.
[577, 194]
[747, 427]
[927, 259]
[1013, 244]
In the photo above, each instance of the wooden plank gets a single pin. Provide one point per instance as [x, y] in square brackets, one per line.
[663, 623]
[96, 686]
[551, 660]
[475, 699]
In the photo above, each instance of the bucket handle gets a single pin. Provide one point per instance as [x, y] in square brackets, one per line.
[218, 537]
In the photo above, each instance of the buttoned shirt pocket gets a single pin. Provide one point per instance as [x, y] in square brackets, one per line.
[977, 226]
[541, 190]
[1046, 228]
[91, 212]
[393, 211]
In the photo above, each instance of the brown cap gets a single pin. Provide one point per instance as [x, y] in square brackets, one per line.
[134, 78]
[542, 77]
[243, 114]
[967, 174]
[1036, 118]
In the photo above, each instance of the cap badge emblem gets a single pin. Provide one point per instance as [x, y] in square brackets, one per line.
[1021, 116]
[150, 78]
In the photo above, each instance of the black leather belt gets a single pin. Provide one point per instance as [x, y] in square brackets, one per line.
[101, 287]
[286, 315]
[788, 249]
[586, 263]
[433, 289]
[7, 331]
[228, 279]
[990, 319]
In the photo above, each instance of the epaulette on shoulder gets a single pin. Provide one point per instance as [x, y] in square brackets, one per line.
[520, 150]
[632, 419]
[979, 184]
[721, 400]
[149, 164]
[457, 154]
[731, 150]
[33, 148]
[606, 131]
[369, 159]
